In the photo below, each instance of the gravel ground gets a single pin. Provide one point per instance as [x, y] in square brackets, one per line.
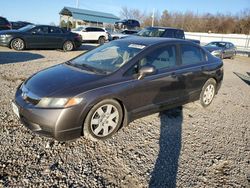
[184, 147]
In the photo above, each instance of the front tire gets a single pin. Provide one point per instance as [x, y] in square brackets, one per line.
[208, 92]
[17, 44]
[68, 46]
[103, 120]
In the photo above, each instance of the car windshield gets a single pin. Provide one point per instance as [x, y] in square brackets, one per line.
[108, 57]
[78, 29]
[151, 32]
[217, 44]
[26, 28]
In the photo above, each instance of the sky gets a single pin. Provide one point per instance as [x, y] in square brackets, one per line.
[47, 11]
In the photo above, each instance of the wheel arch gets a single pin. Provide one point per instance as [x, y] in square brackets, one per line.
[18, 37]
[125, 119]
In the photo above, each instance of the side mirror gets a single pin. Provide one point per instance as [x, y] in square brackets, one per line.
[145, 70]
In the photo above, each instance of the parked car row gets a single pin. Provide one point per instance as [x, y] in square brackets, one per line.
[25, 35]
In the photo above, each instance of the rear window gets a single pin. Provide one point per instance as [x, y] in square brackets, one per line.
[3, 21]
[191, 55]
[151, 32]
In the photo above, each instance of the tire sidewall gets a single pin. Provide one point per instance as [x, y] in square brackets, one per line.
[19, 49]
[208, 82]
[64, 48]
[87, 131]
[101, 40]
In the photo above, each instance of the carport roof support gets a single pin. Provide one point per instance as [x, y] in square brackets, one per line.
[89, 15]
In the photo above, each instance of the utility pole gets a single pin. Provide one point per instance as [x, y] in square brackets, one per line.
[153, 17]
[77, 3]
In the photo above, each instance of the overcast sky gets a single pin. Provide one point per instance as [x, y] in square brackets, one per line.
[47, 11]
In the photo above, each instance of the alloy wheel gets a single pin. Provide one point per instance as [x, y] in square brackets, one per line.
[208, 94]
[17, 44]
[104, 120]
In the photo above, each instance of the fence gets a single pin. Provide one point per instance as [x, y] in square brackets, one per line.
[242, 42]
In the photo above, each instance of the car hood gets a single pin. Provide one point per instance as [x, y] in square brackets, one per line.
[212, 48]
[61, 81]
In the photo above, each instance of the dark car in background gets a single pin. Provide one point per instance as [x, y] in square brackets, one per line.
[40, 37]
[4, 24]
[19, 24]
[167, 32]
[103, 89]
[221, 49]
[127, 24]
[122, 34]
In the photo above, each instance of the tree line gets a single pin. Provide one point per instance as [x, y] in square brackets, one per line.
[193, 22]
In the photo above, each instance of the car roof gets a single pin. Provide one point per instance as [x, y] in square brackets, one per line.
[219, 42]
[148, 41]
[158, 27]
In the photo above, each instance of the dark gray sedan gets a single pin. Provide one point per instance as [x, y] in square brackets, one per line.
[40, 37]
[221, 49]
[102, 90]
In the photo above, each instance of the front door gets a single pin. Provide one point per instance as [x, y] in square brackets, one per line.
[155, 91]
[37, 38]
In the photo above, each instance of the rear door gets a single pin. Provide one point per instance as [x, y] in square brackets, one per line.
[192, 70]
[91, 33]
[55, 37]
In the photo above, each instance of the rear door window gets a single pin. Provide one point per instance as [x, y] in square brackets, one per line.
[40, 30]
[3, 21]
[191, 55]
[55, 30]
[179, 34]
[169, 33]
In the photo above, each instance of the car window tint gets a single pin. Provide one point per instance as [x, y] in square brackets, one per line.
[169, 33]
[89, 29]
[191, 55]
[3, 21]
[55, 30]
[99, 29]
[179, 34]
[40, 30]
[160, 59]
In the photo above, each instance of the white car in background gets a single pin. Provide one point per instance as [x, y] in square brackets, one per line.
[92, 34]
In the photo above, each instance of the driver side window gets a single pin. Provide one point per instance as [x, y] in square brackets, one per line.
[160, 59]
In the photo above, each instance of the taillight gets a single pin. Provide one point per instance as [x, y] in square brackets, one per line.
[8, 25]
[78, 37]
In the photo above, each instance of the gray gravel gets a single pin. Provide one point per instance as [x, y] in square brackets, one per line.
[185, 147]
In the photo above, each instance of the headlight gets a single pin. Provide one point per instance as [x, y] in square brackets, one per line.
[4, 36]
[216, 52]
[58, 102]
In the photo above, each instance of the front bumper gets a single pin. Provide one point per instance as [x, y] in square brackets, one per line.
[4, 41]
[60, 124]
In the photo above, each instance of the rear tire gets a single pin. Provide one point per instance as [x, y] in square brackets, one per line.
[103, 120]
[208, 92]
[17, 44]
[68, 46]
[101, 40]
